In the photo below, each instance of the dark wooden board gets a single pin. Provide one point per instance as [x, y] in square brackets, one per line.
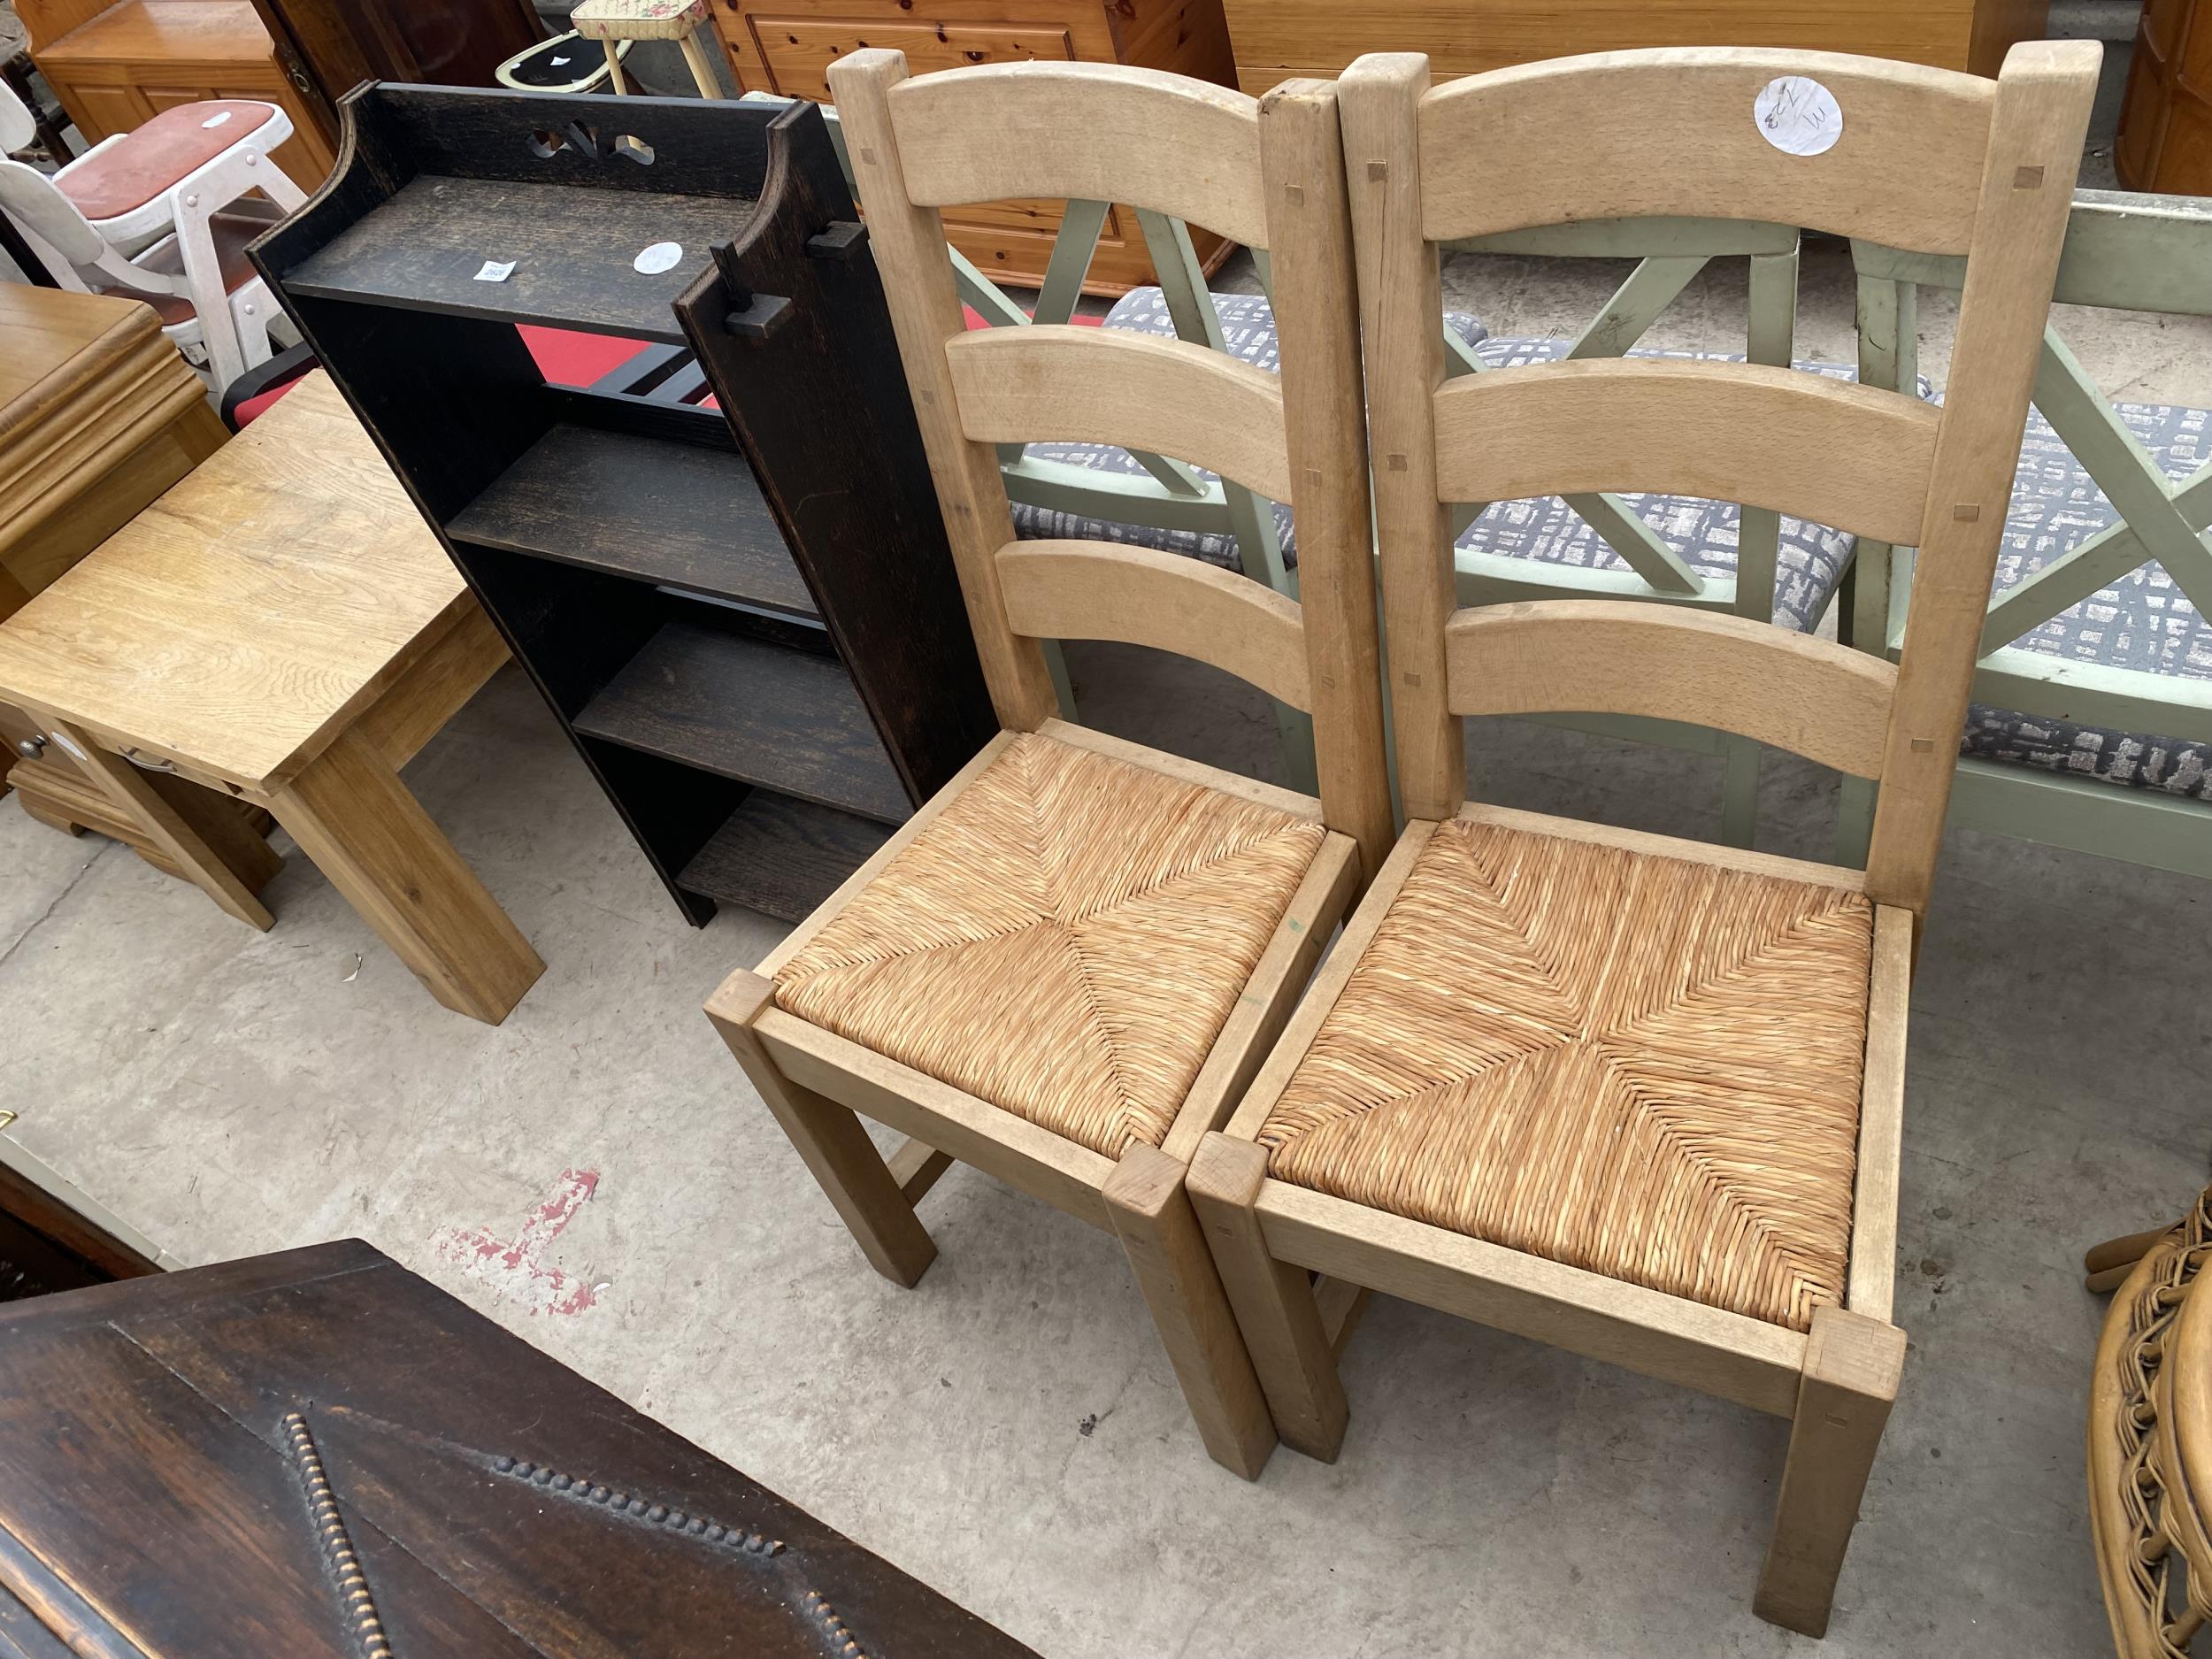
[573, 253]
[821, 407]
[692, 518]
[33, 1208]
[763, 713]
[154, 1502]
[781, 856]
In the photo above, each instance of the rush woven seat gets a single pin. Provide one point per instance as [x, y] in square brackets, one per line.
[1634, 1064]
[1064, 940]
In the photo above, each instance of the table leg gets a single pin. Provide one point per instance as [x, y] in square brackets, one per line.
[614, 65]
[351, 814]
[176, 835]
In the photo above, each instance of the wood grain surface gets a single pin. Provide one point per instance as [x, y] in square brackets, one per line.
[679, 513]
[153, 1501]
[751, 710]
[249, 615]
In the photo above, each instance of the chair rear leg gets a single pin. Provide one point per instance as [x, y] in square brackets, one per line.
[830, 1138]
[1276, 1310]
[1852, 1367]
[1152, 1216]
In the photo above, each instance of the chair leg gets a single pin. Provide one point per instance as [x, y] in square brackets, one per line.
[1852, 1367]
[697, 53]
[830, 1138]
[204, 287]
[1274, 1302]
[613, 48]
[1152, 1216]
[2108, 1264]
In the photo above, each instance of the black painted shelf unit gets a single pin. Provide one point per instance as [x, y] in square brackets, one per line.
[744, 615]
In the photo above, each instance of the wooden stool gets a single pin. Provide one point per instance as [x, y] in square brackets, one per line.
[2150, 1435]
[683, 21]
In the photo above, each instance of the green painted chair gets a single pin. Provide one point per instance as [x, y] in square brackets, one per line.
[2092, 724]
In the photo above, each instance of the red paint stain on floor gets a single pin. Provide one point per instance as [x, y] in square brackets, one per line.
[511, 1267]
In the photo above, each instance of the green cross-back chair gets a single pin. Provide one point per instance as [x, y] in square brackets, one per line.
[2091, 722]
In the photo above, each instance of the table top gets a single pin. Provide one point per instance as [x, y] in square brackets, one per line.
[58, 341]
[166, 31]
[248, 615]
[195, 1462]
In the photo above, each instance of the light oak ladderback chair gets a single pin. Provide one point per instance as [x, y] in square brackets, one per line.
[1066, 967]
[1635, 1097]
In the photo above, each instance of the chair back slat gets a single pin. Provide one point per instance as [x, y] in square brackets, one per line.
[1946, 163]
[1825, 450]
[1105, 132]
[1811, 696]
[1269, 173]
[1682, 130]
[1140, 596]
[1139, 391]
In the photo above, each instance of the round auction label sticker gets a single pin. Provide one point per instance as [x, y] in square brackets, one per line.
[661, 255]
[1798, 116]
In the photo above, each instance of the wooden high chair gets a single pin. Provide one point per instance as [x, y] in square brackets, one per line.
[1635, 1096]
[1066, 966]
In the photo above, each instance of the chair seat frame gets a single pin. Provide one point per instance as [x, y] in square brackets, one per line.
[814, 1080]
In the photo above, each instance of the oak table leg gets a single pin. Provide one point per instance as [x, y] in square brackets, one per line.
[178, 837]
[351, 814]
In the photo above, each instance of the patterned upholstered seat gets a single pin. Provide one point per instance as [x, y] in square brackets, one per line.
[638, 19]
[2141, 621]
[1065, 939]
[1247, 329]
[1811, 559]
[1629, 1064]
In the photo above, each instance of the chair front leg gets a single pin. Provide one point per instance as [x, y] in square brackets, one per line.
[1152, 1216]
[830, 1138]
[1274, 1301]
[1853, 1365]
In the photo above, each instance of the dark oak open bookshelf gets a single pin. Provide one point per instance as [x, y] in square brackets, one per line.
[745, 615]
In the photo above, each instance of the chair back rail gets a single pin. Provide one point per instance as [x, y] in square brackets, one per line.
[1803, 695]
[1135, 390]
[1944, 162]
[1828, 450]
[1142, 596]
[1103, 132]
[1670, 132]
[1267, 173]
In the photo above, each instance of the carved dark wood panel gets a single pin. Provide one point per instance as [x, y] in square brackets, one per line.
[320, 1455]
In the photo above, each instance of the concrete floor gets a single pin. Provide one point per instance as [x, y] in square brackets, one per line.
[1010, 1430]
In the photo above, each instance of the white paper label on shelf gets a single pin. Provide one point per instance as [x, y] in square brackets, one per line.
[1798, 116]
[661, 255]
[494, 271]
[217, 119]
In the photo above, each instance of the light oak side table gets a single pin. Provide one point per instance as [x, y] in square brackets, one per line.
[282, 627]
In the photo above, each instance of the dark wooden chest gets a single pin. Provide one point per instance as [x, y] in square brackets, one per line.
[319, 1456]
